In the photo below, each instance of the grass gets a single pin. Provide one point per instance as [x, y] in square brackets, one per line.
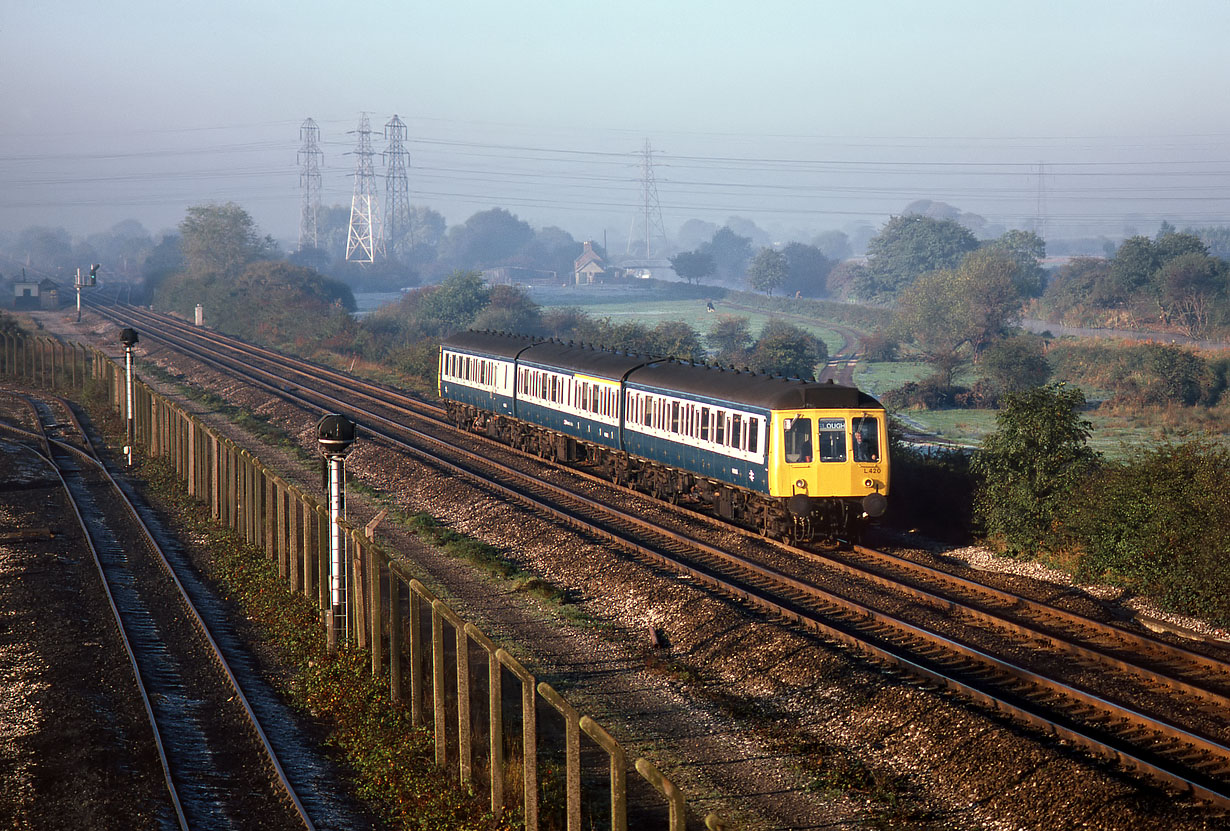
[693, 312]
[879, 377]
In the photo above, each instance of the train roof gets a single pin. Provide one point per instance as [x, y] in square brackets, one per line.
[743, 387]
[769, 391]
[584, 359]
[499, 344]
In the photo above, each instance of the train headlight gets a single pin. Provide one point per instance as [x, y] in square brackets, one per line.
[801, 484]
[868, 483]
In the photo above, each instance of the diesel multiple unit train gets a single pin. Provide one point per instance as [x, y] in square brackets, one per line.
[796, 460]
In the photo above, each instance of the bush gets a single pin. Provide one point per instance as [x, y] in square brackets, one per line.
[878, 346]
[1029, 468]
[1160, 525]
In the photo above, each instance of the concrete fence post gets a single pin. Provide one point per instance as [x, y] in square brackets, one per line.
[495, 717]
[572, 752]
[529, 737]
[619, 766]
[674, 797]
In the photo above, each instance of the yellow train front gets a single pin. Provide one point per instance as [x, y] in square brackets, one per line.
[831, 473]
[794, 459]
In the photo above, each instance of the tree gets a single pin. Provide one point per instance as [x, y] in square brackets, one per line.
[568, 323]
[1027, 250]
[1216, 240]
[730, 338]
[695, 232]
[910, 245]
[1017, 363]
[989, 283]
[768, 270]
[221, 240]
[953, 315]
[834, 245]
[1131, 271]
[786, 349]
[678, 340]
[122, 248]
[747, 228]
[165, 259]
[1170, 244]
[930, 315]
[808, 270]
[453, 304]
[510, 309]
[730, 254]
[693, 266]
[1191, 284]
[1182, 375]
[1073, 285]
[488, 238]
[1031, 465]
[48, 249]
[270, 301]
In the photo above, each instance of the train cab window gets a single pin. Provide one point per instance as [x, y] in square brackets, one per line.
[832, 443]
[797, 443]
[866, 440]
[753, 435]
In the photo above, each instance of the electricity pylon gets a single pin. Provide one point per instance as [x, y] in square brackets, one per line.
[651, 209]
[397, 189]
[364, 242]
[310, 157]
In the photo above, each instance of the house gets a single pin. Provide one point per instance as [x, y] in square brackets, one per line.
[589, 267]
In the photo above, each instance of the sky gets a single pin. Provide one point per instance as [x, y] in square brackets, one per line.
[1099, 118]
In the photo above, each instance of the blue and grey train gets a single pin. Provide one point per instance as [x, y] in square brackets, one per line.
[794, 459]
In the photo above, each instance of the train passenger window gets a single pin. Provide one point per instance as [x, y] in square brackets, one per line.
[719, 433]
[704, 424]
[797, 442]
[832, 439]
[674, 416]
[736, 431]
[753, 435]
[866, 440]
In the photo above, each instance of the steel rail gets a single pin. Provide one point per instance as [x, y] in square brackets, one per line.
[220, 661]
[391, 398]
[1073, 733]
[152, 720]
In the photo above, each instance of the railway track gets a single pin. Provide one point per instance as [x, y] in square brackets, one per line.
[231, 754]
[1147, 704]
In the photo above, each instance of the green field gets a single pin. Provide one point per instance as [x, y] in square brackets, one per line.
[695, 314]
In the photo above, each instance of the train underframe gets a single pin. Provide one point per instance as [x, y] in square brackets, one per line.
[825, 519]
